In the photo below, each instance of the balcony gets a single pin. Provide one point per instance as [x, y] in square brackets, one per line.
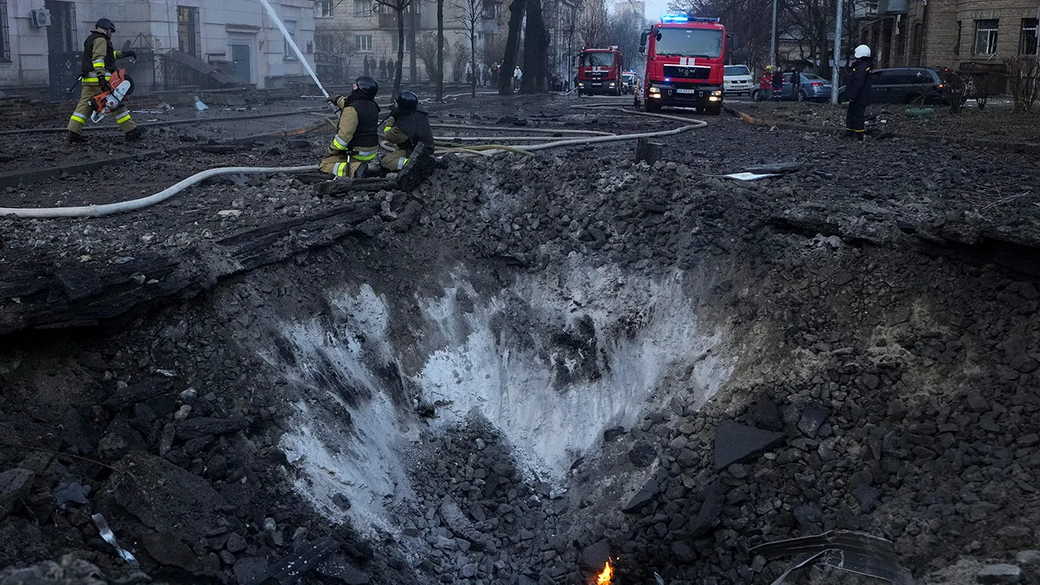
[880, 8]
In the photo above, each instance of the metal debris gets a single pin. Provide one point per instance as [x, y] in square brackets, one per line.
[110, 537]
[855, 552]
[749, 176]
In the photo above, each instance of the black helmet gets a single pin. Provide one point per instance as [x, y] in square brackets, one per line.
[106, 24]
[407, 101]
[366, 86]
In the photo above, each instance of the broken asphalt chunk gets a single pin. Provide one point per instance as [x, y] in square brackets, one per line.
[736, 442]
[14, 485]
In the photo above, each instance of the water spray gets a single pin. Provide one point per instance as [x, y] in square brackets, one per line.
[292, 43]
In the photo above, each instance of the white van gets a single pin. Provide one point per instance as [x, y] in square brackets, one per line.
[738, 80]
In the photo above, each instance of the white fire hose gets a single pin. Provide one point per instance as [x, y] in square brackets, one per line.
[135, 204]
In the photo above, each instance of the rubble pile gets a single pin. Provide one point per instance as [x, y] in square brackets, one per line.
[885, 353]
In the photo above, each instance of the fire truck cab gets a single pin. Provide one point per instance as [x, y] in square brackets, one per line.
[685, 57]
[599, 71]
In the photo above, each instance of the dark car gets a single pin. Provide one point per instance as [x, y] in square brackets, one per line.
[909, 85]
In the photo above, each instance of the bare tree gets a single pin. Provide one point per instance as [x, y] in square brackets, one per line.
[398, 7]
[505, 75]
[427, 51]
[440, 50]
[470, 13]
[624, 29]
[536, 49]
[592, 23]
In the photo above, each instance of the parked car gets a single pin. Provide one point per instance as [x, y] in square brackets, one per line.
[812, 87]
[911, 85]
[737, 79]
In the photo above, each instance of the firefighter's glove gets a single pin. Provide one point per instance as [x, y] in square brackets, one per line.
[339, 101]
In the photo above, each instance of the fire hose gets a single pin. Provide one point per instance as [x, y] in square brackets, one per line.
[479, 150]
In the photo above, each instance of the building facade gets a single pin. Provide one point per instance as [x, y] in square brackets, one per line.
[360, 37]
[947, 33]
[40, 40]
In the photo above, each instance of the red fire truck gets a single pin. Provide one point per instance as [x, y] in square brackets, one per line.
[599, 71]
[684, 63]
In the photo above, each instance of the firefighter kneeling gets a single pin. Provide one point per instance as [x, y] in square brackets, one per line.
[357, 139]
[406, 128]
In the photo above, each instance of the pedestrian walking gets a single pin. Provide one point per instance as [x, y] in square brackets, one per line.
[518, 77]
[778, 84]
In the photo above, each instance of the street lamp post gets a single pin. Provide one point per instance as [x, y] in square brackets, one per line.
[837, 51]
[772, 37]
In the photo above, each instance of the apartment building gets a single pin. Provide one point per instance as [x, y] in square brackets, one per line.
[179, 41]
[946, 33]
[356, 37]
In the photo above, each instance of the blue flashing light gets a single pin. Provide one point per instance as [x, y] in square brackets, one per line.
[674, 18]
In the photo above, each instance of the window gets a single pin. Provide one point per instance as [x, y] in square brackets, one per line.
[325, 8]
[290, 25]
[363, 42]
[490, 11]
[960, 31]
[5, 46]
[689, 42]
[362, 8]
[188, 30]
[1027, 42]
[986, 37]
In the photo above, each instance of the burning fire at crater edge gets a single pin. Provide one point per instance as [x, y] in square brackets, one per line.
[606, 576]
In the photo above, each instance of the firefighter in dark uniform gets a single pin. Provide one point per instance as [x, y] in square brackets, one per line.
[98, 63]
[406, 128]
[858, 92]
[357, 138]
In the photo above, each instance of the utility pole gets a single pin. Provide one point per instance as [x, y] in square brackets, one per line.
[837, 51]
[772, 38]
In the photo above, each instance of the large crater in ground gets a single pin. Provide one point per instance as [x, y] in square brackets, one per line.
[416, 410]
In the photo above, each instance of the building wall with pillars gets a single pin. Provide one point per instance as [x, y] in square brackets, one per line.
[946, 33]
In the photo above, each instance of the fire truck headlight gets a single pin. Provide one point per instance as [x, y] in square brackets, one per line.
[580, 84]
[611, 85]
[716, 93]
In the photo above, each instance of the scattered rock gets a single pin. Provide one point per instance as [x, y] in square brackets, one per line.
[999, 574]
[644, 496]
[735, 442]
[14, 486]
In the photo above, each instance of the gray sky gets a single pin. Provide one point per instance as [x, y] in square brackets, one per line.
[655, 8]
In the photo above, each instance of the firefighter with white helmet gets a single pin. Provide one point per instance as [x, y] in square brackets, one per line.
[858, 92]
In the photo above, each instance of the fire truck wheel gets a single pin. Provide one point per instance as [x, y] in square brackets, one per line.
[652, 106]
[713, 110]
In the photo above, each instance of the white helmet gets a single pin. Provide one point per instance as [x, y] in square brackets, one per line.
[861, 52]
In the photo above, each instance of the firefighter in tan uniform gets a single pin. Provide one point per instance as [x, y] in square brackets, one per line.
[406, 128]
[99, 61]
[357, 139]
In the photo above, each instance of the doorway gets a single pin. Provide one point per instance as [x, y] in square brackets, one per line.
[241, 67]
[188, 30]
[64, 53]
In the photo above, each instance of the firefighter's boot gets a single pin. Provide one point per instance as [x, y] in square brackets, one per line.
[75, 138]
[135, 134]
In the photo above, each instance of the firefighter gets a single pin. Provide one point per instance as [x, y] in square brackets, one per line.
[98, 63]
[858, 92]
[357, 139]
[406, 128]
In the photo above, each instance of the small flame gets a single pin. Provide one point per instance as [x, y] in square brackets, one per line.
[606, 576]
